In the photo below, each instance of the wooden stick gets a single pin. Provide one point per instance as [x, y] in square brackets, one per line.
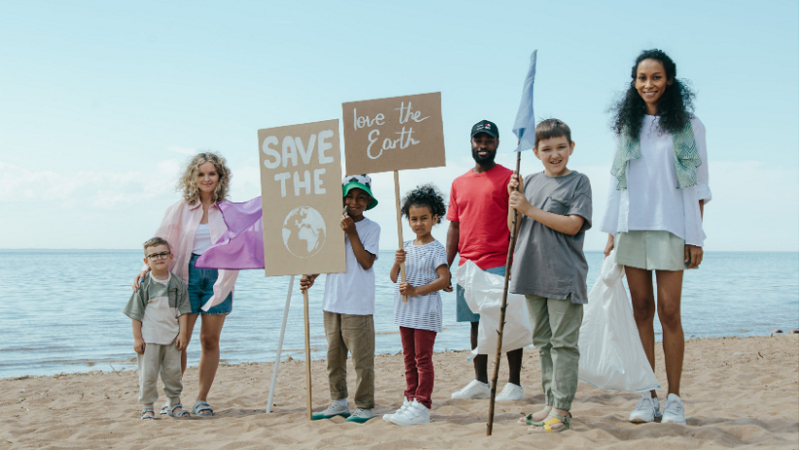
[511, 243]
[280, 345]
[308, 351]
[399, 227]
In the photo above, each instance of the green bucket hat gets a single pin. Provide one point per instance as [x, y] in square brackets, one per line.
[363, 182]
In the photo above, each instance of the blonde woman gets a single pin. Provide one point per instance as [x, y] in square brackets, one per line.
[191, 226]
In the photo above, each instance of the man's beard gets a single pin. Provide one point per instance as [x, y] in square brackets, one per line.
[484, 160]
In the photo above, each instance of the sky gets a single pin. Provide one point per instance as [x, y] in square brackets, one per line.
[102, 103]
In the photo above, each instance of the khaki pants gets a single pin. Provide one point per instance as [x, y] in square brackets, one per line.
[356, 334]
[556, 326]
[164, 359]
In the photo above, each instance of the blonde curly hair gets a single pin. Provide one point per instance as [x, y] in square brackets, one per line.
[187, 183]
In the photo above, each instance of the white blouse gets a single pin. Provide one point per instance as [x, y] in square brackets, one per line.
[652, 200]
[202, 239]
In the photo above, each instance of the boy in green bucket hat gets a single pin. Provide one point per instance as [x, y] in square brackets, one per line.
[348, 306]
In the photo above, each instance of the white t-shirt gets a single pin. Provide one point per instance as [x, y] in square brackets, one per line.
[423, 312]
[652, 200]
[202, 239]
[353, 292]
[160, 322]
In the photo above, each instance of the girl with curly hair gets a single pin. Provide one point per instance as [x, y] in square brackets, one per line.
[420, 318]
[654, 218]
[191, 225]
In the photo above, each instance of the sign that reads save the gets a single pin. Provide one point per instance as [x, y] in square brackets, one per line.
[395, 133]
[301, 197]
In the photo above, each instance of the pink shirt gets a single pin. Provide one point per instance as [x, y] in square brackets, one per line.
[479, 203]
[179, 227]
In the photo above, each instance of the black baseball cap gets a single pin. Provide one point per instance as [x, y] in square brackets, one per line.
[485, 126]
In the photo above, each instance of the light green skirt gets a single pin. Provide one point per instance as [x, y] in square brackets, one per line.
[650, 250]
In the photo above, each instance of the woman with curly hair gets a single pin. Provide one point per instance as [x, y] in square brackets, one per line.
[420, 318]
[191, 225]
[655, 210]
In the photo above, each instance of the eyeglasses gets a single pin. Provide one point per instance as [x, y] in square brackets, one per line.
[157, 256]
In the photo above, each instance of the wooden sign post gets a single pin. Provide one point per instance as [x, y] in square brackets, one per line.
[301, 198]
[393, 134]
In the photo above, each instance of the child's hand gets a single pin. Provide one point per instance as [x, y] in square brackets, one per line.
[513, 183]
[348, 225]
[182, 341]
[138, 345]
[408, 290]
[400, 256]
[518, 201]
[449, 287]
[139, 278]
[307, 282]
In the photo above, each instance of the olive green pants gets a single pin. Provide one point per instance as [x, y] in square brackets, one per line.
[556, 326]
[356, 334]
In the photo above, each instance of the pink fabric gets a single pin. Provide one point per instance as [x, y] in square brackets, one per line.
[179, 227]
[479, 203]
[418, 358]
[242, 245]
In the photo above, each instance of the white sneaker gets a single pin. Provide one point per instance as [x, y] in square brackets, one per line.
[647, 409]
[673, 410]
[361, 415]
[475, 389]
[511, 392]
[336, 409]
[406, 404]
[415, 414]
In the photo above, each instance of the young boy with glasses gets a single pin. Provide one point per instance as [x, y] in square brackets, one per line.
[159, 311]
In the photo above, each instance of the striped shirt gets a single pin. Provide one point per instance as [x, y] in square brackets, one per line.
[422, 312]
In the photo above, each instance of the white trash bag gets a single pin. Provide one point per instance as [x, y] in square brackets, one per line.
[483, 293]
[612, 356]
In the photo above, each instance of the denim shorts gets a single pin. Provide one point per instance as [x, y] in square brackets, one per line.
[463, 313]
[201, 289]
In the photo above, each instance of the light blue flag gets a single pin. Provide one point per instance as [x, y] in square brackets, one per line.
[525, 119]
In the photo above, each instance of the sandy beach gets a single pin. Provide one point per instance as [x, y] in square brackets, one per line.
[739, 392]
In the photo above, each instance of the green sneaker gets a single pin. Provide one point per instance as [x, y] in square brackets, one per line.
[334, 410]
[361, 415]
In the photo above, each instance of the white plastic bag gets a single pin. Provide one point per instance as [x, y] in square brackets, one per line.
[483, 293]
[612, 356]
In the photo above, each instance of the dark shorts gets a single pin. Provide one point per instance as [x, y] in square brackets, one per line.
[201, 289]
[463, 313]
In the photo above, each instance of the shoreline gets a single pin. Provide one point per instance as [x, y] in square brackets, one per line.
[288, 358]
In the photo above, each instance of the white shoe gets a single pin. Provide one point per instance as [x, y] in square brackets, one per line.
[673, 410]
[511, 392]
[415, 414]
[406, 404]
[475, 389]
[361, 415]
[647, 409]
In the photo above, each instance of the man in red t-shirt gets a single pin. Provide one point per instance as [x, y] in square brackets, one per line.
[478, 232]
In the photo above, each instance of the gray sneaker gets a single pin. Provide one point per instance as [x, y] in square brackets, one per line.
[361, 415]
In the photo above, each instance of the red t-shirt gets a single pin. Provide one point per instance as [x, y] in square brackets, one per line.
[479, 203]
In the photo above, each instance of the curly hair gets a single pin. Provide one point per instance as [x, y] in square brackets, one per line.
[425, 195]
[187, 183]
[675, 107]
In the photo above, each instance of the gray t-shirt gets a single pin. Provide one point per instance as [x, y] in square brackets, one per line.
[548, 263]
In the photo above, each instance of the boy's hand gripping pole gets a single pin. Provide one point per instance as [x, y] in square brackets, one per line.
[511, 243]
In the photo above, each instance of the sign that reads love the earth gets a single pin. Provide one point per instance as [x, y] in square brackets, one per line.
[301, 197]
[395, 133]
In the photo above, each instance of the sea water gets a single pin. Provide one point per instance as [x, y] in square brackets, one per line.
[61, 310]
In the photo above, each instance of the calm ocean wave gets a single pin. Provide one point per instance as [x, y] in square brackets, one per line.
[61, 310]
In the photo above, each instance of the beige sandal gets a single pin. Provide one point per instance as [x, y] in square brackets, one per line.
[547, 426]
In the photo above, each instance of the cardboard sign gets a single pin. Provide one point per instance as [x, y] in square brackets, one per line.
[301, 197]
[393, 134]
